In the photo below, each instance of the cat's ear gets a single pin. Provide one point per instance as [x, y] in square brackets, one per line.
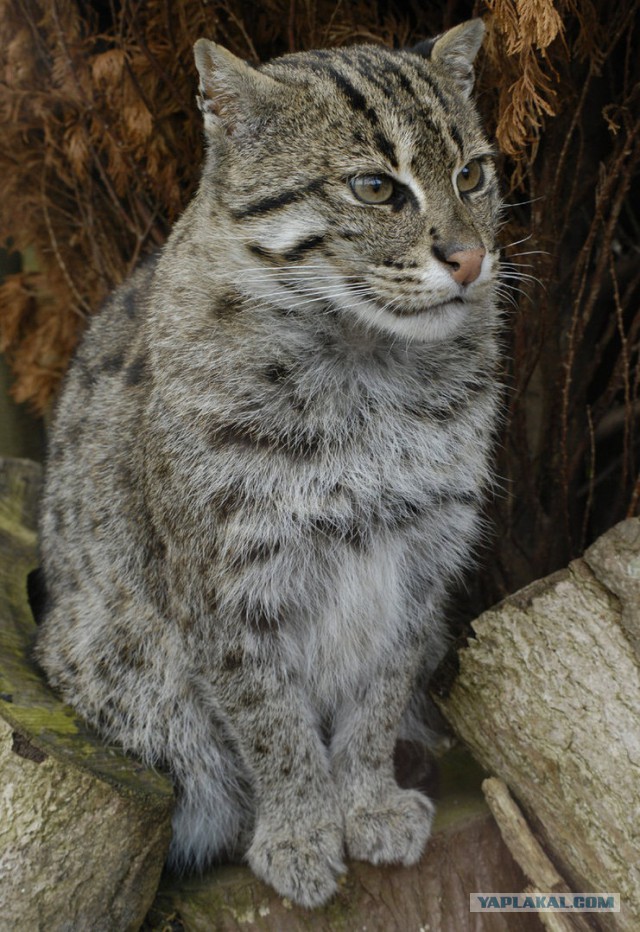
[455, 51]
[230, 90]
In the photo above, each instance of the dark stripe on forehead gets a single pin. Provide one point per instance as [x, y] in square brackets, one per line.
[424, 76]
[355, 97]
[402, 78]
[447, 125]
[454, 132]
[417, 69]
[324, 65]
[276, 201]
[409, 88]
[374, 72]
[405, 83]
[387, 148]
[377, 67]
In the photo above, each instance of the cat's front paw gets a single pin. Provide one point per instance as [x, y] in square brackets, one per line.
[300, 861]
[391, 829]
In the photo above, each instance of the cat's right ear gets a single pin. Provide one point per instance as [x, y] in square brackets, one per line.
[231, 92]
[455, 51]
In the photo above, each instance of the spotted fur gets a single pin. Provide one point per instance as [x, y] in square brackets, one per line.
[269, 456]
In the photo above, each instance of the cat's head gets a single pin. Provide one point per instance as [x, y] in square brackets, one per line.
[356, 179]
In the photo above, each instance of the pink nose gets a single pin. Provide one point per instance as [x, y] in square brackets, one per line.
[465, 265]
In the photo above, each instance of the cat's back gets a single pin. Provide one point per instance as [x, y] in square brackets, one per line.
[109, 359]
[91, 479]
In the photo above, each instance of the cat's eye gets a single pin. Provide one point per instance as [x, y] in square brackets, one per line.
[470, 177]
[372, 189]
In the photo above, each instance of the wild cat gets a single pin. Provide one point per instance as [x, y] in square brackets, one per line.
[269, 456]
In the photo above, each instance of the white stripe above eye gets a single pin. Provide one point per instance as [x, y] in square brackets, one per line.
[405, 150]
[408, 180]
[283, 232]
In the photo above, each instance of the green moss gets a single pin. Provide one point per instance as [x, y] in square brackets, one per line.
[461, 796]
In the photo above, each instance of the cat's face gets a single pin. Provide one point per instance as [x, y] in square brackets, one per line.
[356, 180]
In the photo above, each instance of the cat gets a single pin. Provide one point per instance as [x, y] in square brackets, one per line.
[269, 458]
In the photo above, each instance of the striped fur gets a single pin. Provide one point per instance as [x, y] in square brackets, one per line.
[269, 457]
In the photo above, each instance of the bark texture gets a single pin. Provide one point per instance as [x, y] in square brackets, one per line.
[461, 859]
[83, 830]
[548, 698]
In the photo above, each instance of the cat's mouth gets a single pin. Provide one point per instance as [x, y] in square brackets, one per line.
[424, 309]
[447, 303]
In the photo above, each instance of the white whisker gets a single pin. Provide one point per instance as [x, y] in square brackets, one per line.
[517, 242]
[532, 200]
[521, 277]
[311, 296]
[302, 271]
[512, 288]
[532, 252]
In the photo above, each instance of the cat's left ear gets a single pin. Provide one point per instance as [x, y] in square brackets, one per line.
[455, 51]
[232, 93]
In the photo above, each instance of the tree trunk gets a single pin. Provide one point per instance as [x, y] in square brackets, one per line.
[548, 698]
[83, 830]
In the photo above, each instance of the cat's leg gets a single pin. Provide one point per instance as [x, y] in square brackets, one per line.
[298, 839]
[383, 823]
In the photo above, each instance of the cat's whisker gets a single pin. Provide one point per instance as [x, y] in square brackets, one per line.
[504, 295]
[522, 277]
[514, 289]
[303, 283]
[288, 267]
[325, 296]
[314, 287]
[532, 200]
[514, 262]
[531, 252]
[515, 271]
[278, 270]
[310, 297]
[524, 239]
[294, 279]
[303, 287]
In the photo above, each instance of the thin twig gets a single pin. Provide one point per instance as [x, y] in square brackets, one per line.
[61, 263]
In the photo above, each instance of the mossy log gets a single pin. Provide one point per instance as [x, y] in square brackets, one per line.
[547, 697]
[83, 830]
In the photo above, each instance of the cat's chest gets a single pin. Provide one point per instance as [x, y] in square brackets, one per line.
[408, 448]
[394, 423]
[396, 510]
[355, 622]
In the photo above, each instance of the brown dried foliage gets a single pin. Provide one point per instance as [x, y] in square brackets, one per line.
[571, 444]
[100, 151]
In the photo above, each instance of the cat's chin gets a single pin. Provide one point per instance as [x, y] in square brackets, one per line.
[427, 324]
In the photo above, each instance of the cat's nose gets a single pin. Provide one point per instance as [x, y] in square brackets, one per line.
[463, 264]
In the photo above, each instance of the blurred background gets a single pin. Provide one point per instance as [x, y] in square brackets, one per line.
[100, 151]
